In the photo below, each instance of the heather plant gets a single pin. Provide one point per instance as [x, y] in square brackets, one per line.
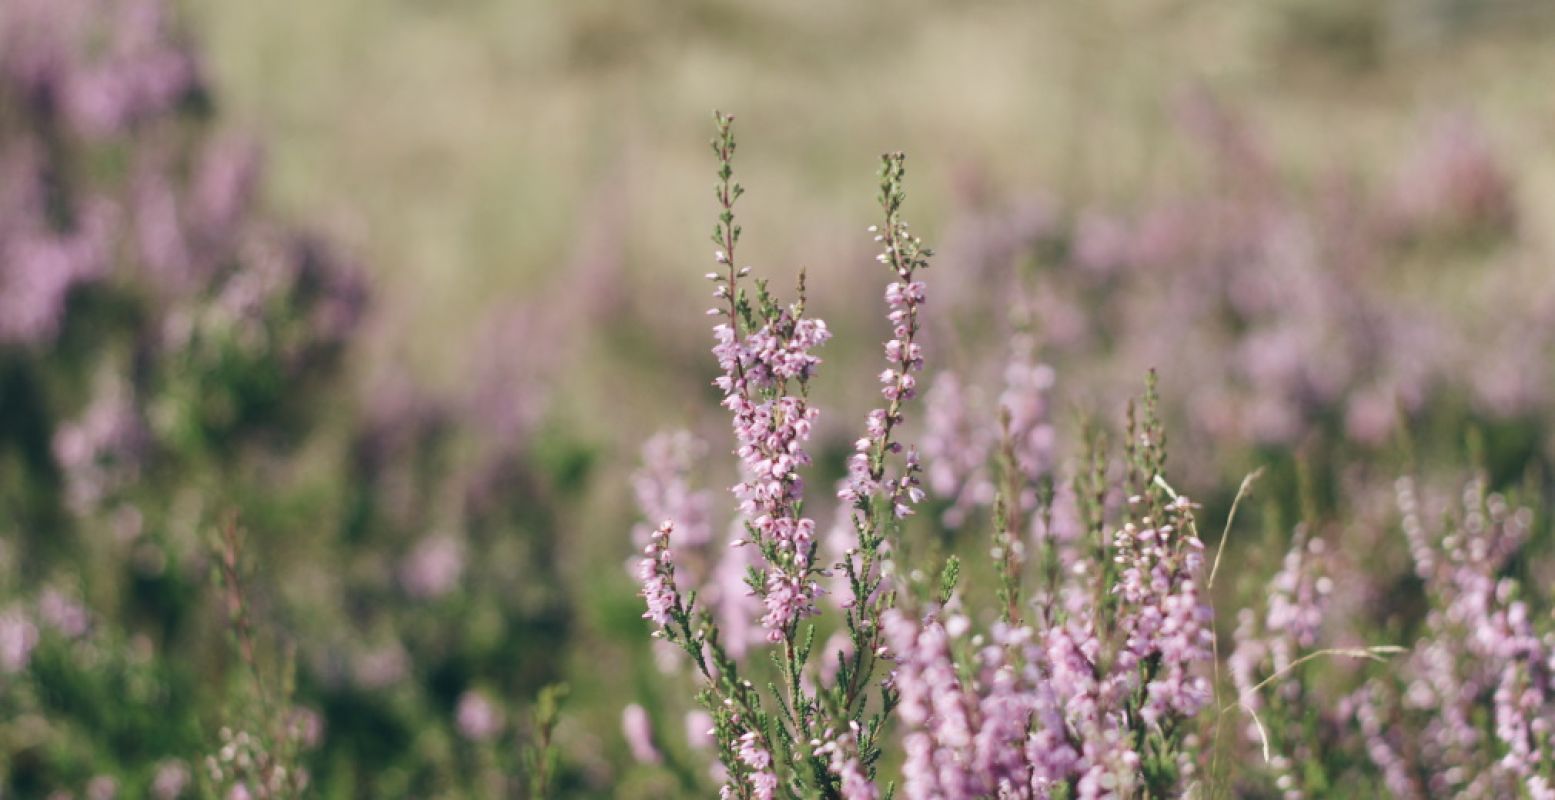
[170, 350]
[1326, 312]
[1271, 648]
[1468, 713]
[803, 739]
[1050, 632]
[161, 338]
[1092, 676]
[982, 581]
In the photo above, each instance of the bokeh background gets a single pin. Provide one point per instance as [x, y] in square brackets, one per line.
[406, 286]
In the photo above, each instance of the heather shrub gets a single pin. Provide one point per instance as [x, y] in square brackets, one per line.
[1087, 683]
[1222, 478]
[1052, 630]
[161, 341]
[171, 354]
[1300, 315]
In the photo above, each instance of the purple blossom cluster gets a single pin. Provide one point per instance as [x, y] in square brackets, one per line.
[764, 353]
[771, 434]
[42, 263]
[664, 489]
[1068, 702]
[638, 729]
[479, 718]
[714, 567]
[961, 742]
[905, 255]
[842, 758]
[101, 68]
[956, 447]
[115, 76]
[1372, 303]
[762, 781]
[656, 572]
[1341, 307]
[171, 343]
[1453, 184]
[202, 281]
[1097, 688]
[433, 567]
[1481, 650]
[18, 637]
[959, 445]
[101, 451]
[1164, 619]
[1270, 645]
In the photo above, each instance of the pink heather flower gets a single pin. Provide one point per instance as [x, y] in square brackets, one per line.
[161, 239]
[18, 637]
[1319, 330]
[758, 764]
[433, 568]
[787, 600]
[185, 232]
[1102, 243]
[714, 571]
[1005, 733]
[102, 450]
[957, 445]
[1298, 598]
[771, 427]
[170, 780]
[41, 267]
[638, 730]
[1379, 745]
[63, 614]
[1027, 385]
[1454, 181]
[663, 491]
[1372, 416]
[1027, 708]
[1478, 642]
[139, 75]
[656, 571]
[102, 787]
[1162, 613]
[899, 385]
[936, 708]
[842, 547]
[223, 186]
[305, 726]
[478, 718]
[842, 758]
[961, 440]
[905, 255]
[101, 67]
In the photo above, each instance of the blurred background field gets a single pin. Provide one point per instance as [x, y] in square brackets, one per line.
[466, 147]
[438, 490]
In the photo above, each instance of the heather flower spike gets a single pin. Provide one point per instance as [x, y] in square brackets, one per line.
[820, 739]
